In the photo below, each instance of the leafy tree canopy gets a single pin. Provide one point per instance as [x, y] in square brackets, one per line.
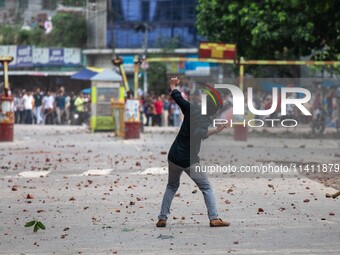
[273, 29]
[81, 3]
[69, 30]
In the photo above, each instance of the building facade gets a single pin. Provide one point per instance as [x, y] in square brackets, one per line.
[16, 11]
[170, 24]
[139, 27]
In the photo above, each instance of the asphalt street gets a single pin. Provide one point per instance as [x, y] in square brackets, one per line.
[99, 194]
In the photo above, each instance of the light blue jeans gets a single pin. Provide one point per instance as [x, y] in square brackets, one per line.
[201, 180]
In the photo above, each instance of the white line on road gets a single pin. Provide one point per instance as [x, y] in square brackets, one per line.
[134, 145]
[154, 170]
[95, 172]
[33, 174]
[334, 143]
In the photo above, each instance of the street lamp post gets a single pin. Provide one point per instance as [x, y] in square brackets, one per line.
[6, 106]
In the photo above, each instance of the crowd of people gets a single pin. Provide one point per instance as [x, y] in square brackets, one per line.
[161, 111]
[57, 107]
[50, 108]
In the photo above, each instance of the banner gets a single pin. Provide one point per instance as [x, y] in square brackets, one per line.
[40, 56]
[28, 56]
[72, 56]
[24, 56]
[9, 50]
[56, 56]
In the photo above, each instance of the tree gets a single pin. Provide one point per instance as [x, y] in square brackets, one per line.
[157, 77]
[8, 34]
[80, 3]
[69, 30]
[273, 29]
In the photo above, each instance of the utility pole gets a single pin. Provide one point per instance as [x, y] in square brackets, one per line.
[145, 83]
[144, 27]
[111, 17]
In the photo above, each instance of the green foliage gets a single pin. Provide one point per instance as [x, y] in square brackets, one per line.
[69, 30]
[30, 37]
[36, 225]
[157, 77]
[167, 44]
[78, 3]
[37, 37]
[8, 34]
[272, 29]
[24, 37]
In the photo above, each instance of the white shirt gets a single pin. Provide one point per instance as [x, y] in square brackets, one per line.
[48, 26]
[48, 102]
[28, 102]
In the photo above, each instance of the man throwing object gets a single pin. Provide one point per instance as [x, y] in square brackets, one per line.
[183, 156]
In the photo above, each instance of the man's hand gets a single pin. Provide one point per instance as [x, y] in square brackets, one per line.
[173, 83]
[221, 127]
[215, 131]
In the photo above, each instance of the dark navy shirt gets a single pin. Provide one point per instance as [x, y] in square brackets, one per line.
[60, 102]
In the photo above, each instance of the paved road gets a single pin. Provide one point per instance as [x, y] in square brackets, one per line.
[98, 194]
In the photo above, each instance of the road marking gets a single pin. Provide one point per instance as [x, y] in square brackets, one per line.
[33, 174]
[95, 172]
[334, 143]
[154, 170]
[134, 145]
[328, 221]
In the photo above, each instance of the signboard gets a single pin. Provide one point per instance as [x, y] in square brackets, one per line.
[24, 56]
[132, 110]
[9, 50]
[40, 56]
[217, 50]
[56, 56]
[28, 56]
[72, 56]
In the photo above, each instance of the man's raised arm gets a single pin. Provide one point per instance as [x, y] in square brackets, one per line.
[177, 96]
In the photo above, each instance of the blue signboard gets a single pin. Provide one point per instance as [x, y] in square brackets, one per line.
[24, 56]
[56, 56]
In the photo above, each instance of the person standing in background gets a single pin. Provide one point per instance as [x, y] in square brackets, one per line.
[149, 111]
[176, 117]
[48, 107]
[80, 108]
[158, 111]
[60, 105]
[141, 112]
[87, 108]
[37, 106]
[165, 113]
[18, 108]
[28, 101]
[67, 109]
[72, 108]
[48, 25]
[33, 23]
